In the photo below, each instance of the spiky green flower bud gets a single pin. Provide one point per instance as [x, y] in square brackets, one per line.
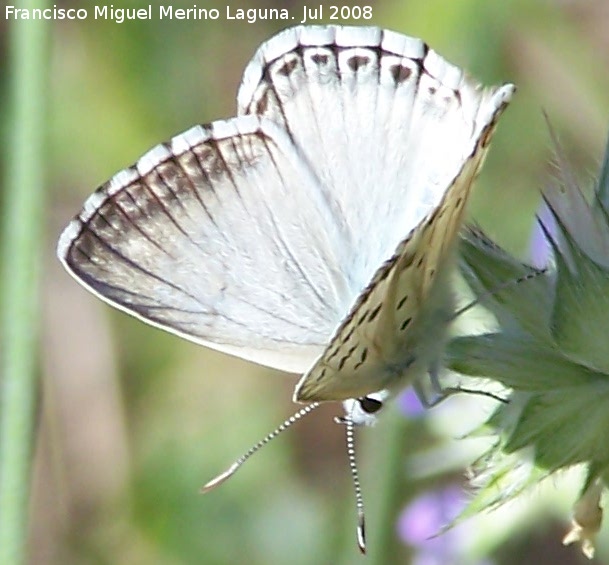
[550, 347]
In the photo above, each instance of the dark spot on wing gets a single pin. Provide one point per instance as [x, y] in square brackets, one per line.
[321, 375]
[400, 73]
[486, 136]
[375, 312]
[288, 67]
[262, 103]
[333, 354]
[357, 61]
[363, 317]
[362, 358]
[342, 362]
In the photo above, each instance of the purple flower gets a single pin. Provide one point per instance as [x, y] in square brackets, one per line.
[420, 526]
[428, 514]
[409, 404]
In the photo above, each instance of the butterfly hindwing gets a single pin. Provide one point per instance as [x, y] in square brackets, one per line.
[383, 120]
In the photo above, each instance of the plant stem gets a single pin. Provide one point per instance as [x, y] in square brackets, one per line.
[390, 493]
[21, 255]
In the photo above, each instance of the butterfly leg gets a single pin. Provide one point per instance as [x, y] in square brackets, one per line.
[441, 393]
[432, 398]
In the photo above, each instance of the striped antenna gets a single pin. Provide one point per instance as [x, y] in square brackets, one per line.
[359, 499]
[225, 475]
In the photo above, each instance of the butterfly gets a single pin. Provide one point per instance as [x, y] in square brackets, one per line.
[315, 232]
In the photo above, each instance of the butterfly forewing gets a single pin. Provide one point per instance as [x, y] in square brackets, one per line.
[384, 121]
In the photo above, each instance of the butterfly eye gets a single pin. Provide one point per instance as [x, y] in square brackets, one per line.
[370, 405]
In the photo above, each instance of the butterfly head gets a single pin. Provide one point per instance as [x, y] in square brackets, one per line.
[364, 411]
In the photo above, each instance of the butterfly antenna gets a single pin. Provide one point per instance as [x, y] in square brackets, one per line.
[359, 500]
[219, 479]
[496, 290]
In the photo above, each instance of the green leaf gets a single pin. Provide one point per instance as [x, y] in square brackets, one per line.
[566, 426]
[581, 310]
[514, 292]
[516, 361]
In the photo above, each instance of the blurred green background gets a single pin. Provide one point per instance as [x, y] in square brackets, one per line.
[132, 421]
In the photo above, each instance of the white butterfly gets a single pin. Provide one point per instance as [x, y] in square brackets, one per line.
[313, 232]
